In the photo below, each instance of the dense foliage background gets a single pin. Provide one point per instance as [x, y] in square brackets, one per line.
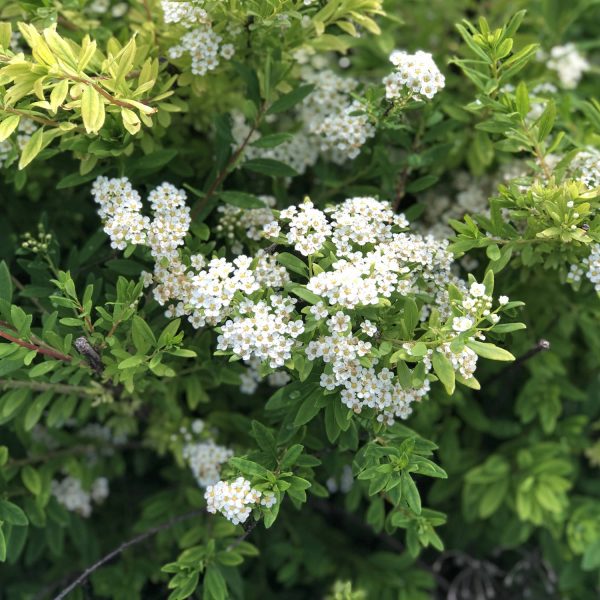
[123, 393]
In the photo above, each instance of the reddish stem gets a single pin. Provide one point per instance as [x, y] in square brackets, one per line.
[48, 352]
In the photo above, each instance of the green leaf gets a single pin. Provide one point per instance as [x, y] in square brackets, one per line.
[290, 99]
[273, 140]
[269, 166]
[35, 410]
[43, 368]
[305, 294]
[141, 333]
[411, 316]
[132, 361]
[311, 406]
[591, 556]
[291, 456]
[6, 287]
[31, 479]
[491, 351]
[12, 514]
[2, 545]
[493, 252]
[215, 587]
[546, 122]
[229, 558]
[410, 493]
[522, 99]
[422, 183]
[251, 80]
[292, 263]
[442, 367]
[242, 200]
[508, 327]
[249, 468]
[264, 437]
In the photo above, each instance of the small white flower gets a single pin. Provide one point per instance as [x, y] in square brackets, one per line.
[460, 324]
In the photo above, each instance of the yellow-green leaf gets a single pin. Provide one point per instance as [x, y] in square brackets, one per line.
[58, 94]
[31, 149]
[92, 110]
[8, 126]
[490, 351]
[130, 120]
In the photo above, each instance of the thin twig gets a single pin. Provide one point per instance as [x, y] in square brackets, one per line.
[132, 542]
[403, 177]
[35, 301]
[46, 351]
[225, 171]
[73, 450]
[104, 93]
[541, 346]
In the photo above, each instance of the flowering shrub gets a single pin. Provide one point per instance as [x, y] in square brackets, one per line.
[299, 298]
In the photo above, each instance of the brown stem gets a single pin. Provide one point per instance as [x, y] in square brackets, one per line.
[541, 346]
[147, 9]
[132, 542]
[403, 177]
[46, 351]
[225, 171]
[103, 92]
[37, 119]
[79, 449]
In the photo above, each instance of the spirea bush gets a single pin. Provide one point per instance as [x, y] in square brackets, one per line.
[299, 299]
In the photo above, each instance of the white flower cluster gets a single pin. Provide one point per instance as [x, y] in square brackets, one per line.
[109, 439]
[73, 497]
[210, 293]
[586, 167]
[299, 152]
[205, 460]
[184, 13]
[308, 228]
[362, 387]
[328, 113]
[416, 75]
[120, 208]
[589, 267]
[100, 7]
[372, 260]
[392, 262]
[251, 377]
[204, 46]
[569, 64]
[25, 130]
[5, 148]
[263, 330]
[345, 132]
[235, 500]
[201, 42]
[233, 219]
[200, 452]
